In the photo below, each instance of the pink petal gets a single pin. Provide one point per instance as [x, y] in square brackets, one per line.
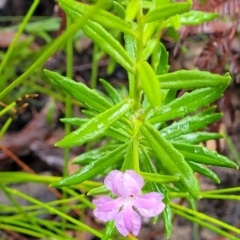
[137, 178]
[112, 181]
[124, 184]
[107, 208]
[131, 184]
[150, 204]
[128, 221]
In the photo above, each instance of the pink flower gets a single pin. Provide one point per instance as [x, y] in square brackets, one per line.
[130, 203]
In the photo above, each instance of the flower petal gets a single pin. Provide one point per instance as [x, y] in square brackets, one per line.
[128, 221]
[150, 204]
[137, 179]
[107, 208]
[124, 184]
[112, 181]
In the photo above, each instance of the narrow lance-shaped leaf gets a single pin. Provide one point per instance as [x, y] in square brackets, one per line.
[109, 230]
[94, 154]
[108, 44]
[95, 126]
[98, 190]
[150, 83]
[88, 97]
[196, 137]
[149, 30]
[112, 92]
[195, 17]
[171, 159]
[105, 41]
[75, 121]
[162, 67]
[128, 162]
[91, 170]
[118, 134]
[131, 48]
[157, 187]
[191, 79]
[203, 155]
[159, 178]
[165, 11]
[199, 168]
[189, 124]
[187, 103]
[104, 18]
[119, 9]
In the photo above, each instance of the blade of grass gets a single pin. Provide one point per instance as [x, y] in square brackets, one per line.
[205, 217]
[18, 34]
[55, 211]
[205, 224]
[52, 48]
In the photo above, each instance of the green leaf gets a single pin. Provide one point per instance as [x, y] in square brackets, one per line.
[163, 66]
[167, 217]
[149, 30]
[160, 188]
[150, 83]
[187, 103]
[88, 97]
[129, 158]
[191, 79]
[112, 92]
[109, 230]
[119, 9]
[118, 133]
[106, 19]
[189, 124]
[197, 137]
[75, 121]
[194, 17]
[96, 126]
[105, 41]
[94, 168]
[94, 154]
[199, 168]
[166, 11]
[158, 178]
[203, 155]
[171, 159]
[98, 190]
[108, 44]
[131, 10]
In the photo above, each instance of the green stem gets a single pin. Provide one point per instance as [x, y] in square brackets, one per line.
[94, 68]
[68, 112]
[139, 57]
[194, 205]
